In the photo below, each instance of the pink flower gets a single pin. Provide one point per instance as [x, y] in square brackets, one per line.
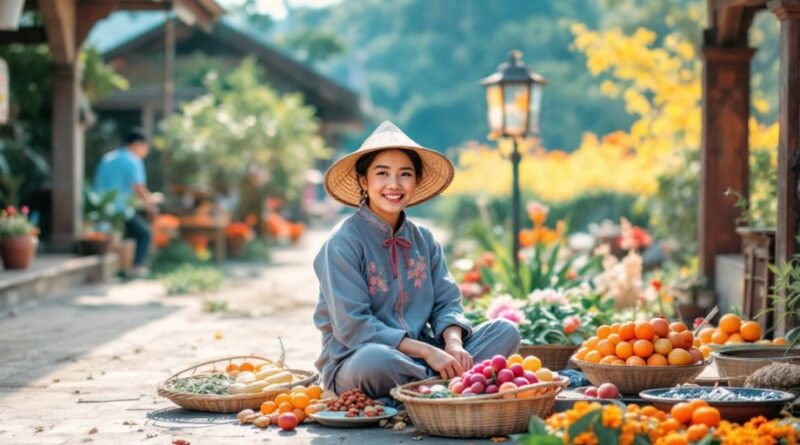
[505, 307]
[25, 210]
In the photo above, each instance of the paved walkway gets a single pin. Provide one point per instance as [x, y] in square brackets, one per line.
[83, 368]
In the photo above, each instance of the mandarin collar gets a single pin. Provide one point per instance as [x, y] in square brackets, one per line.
[379, 224]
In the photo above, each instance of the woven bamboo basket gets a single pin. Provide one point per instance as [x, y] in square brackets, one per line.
[744, 360]
[554, 357]
[633, 379]
[478, 416]
[228, 403]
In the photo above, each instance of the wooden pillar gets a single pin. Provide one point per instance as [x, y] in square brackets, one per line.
[67, 157]
[788, 12]
[724, 156]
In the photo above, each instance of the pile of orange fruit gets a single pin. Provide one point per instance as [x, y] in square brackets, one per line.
[643, 343]
[302, 401]
[733, 330]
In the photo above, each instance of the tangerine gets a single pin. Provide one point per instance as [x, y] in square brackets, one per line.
[603, 331]
[697, 403]
[285, 407]
[232, 367]
[682, 412]
[614, 339]
[608, 360]
[706, 333]
[591, 342]
[663, 346]
[580, 354]
[623, 350]
[247, 366]
[314, 392]
[281, 398]
[635, 360]
[696, 432]
[532, 363]
[679, 356]
[268, 407]
[677, 326]
[719, 337]
[779, 341]
[730, 323]
[735, 339]
[644, 330]
[615, 328]
[627, 331]
[593, 357]
[706, 415]
[750, 330]
[657, 360]
[300, 400]
[660, 326]
[605, 348]
[514, 358]
[300, 414]
[643, 348]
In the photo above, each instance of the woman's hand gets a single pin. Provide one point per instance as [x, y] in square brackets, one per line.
[443, 363]
[460, 354]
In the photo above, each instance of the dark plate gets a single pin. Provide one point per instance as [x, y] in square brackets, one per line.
[732, 410]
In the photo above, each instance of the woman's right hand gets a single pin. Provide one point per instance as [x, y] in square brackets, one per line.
[443, 363]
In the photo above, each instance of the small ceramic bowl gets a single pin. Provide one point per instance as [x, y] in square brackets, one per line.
[732, 410]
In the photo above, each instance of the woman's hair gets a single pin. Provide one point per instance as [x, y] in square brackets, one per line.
[363, 163]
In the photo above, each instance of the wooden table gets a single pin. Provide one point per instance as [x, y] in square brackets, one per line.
[214, 229]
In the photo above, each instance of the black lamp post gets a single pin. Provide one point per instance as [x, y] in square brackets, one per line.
[514, 99]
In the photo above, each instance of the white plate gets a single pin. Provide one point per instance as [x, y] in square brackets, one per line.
[338, 419]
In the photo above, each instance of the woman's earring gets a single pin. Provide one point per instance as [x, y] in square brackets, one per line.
[364, 194]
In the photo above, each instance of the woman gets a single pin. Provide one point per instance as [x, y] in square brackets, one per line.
[389, 310]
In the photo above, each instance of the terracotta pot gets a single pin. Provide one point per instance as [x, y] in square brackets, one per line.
[17, 252]
[235, 246]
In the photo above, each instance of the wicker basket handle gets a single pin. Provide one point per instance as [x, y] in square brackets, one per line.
[228, 359]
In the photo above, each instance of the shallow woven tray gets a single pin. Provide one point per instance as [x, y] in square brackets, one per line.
[478, 416]
[228, 403]
[756, 358]
[554, 357]
[633, 379]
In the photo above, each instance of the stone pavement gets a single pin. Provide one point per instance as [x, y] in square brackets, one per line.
[83, 367]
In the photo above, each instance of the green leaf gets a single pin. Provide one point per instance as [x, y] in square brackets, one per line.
[605, 435]
[707, 440]
[641, 439]
[536, 425]
[581, 425]
[536, 439]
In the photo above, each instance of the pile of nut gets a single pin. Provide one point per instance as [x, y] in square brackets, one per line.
[356, 404]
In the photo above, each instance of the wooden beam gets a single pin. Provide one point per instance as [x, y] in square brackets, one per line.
[724, 155]
[30, 35]
[90, 13]
[60, 21]
[788, 12]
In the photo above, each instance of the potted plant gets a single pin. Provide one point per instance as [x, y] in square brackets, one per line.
[237, 235]
[104, 221]
[18, 238]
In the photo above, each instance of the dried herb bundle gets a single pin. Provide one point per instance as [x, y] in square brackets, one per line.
[205, 384]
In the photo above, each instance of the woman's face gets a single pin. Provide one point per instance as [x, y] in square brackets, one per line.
[390, 183]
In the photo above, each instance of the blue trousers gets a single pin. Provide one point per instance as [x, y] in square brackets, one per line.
[138, 229]
[377, 368]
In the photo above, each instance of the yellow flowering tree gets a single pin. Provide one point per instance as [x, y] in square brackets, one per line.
[660, 84]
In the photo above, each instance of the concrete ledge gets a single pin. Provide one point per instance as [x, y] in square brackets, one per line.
[53, 275]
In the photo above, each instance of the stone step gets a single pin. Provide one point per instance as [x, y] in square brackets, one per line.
[53, 275]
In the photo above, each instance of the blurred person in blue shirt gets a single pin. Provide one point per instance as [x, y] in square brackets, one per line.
[123, 170]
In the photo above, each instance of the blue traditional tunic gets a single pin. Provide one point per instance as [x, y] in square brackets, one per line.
[379, 287]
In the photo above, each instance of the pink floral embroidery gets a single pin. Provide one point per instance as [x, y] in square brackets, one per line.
[417, 271]
[376, 279]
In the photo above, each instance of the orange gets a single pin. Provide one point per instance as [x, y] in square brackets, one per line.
[580, 354]
[232, 367]
[300, 400]
[688, 339]
[643, 348]
[314, 392]
[591, 343]
[677, 326]
[735, 339]
[531, 363]
[706, 333]
[593, 357]
[779, 341]
[750, 330]
[696, 432]
[282, 398]
[247, 366]
[719, 337]
[301, 414]
[514, 358]
[697, 403]
[285, 407]
[605, 347]
[663, 346]
[707, 415]
[644, 330]
[657, 360]
[730, 323]
[706, 351]
[627, 331]
[614, 339]
[682, 412]
[697, 343]
[268, 407]
[615, 328]
[618, 361]
[680, 356]
[635, 360]
[603, 331]
[660, 326]
[624, 350]
[649, 411]
[608, 360]
[299, 388]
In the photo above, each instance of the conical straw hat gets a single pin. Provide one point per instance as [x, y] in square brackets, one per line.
[437, 171]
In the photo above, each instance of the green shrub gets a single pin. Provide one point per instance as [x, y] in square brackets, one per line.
[191, 279]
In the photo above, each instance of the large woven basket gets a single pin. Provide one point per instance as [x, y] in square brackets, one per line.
[633, 379]
[228, 403]
[554, 357]
[743, 360]
[478, 416]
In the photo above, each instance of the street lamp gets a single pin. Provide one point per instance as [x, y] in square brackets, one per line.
[514, 103]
